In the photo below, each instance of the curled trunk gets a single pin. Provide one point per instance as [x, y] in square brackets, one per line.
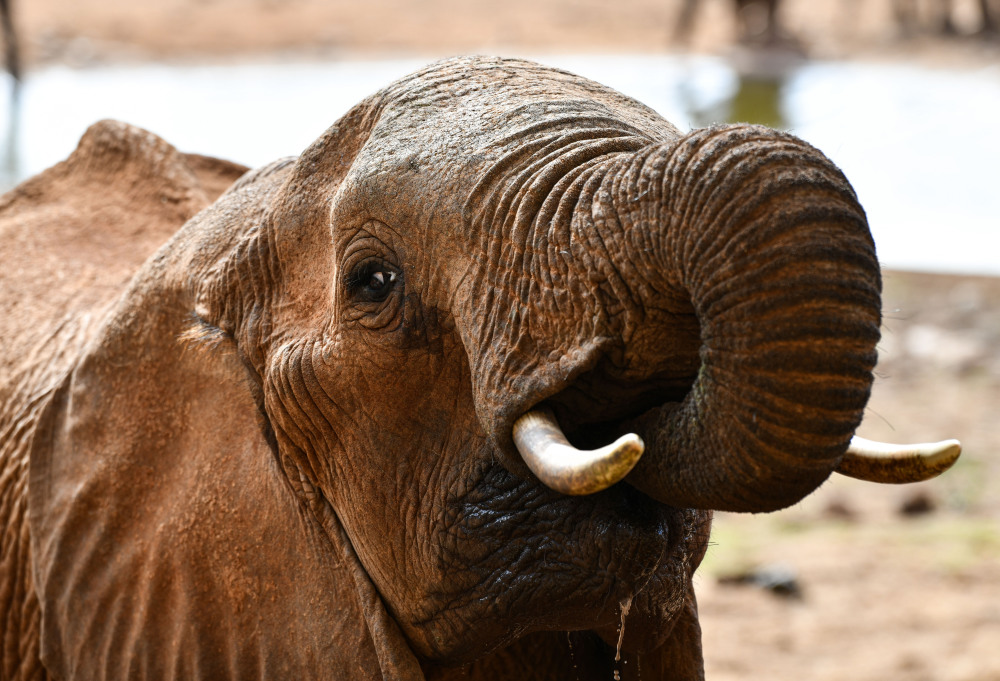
[766, 238]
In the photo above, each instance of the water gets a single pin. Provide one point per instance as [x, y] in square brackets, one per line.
[920, 146]
[626, 605]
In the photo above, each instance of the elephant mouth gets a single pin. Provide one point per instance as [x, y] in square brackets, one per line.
[594, 553]
[578, 441]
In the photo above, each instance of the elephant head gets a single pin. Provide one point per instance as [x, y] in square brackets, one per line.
[288, 446]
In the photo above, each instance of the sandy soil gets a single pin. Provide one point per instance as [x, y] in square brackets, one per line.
[882, 594]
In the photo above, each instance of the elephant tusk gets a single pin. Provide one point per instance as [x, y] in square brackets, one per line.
[563, 467]
[898, 464]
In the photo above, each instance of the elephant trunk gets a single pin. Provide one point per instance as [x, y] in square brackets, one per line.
[766, 239]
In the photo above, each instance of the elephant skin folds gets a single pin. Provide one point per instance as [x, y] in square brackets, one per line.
[258, 423]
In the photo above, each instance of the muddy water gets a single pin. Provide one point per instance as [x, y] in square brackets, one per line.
[921, 146]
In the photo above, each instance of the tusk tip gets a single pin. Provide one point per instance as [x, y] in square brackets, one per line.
[948, 451]
[601, 468]
[629, 445]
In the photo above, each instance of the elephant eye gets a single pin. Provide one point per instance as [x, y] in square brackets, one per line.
[380, 280]
[372, 281]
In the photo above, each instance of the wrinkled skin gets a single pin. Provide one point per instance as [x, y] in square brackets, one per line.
[281, 444]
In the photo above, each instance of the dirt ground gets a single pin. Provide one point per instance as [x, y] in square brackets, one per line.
[862, 582]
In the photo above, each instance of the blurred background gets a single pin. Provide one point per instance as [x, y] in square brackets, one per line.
[857, 582]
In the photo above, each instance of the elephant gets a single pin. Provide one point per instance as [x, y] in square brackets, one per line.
[757, 21]
[908, 17]
[346, 415]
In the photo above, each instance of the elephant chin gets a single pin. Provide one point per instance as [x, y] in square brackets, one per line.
[614, 547]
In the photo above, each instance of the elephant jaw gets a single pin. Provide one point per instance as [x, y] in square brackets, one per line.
[566, 469]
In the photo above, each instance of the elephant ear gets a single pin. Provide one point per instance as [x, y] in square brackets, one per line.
[87, 224]
[165, 541]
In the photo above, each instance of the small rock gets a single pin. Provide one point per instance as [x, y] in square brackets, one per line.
[839, 510]
[917, 503]
[781, 580]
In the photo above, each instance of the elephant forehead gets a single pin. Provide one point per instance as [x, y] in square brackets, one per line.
[466, 128]
[464, 113]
